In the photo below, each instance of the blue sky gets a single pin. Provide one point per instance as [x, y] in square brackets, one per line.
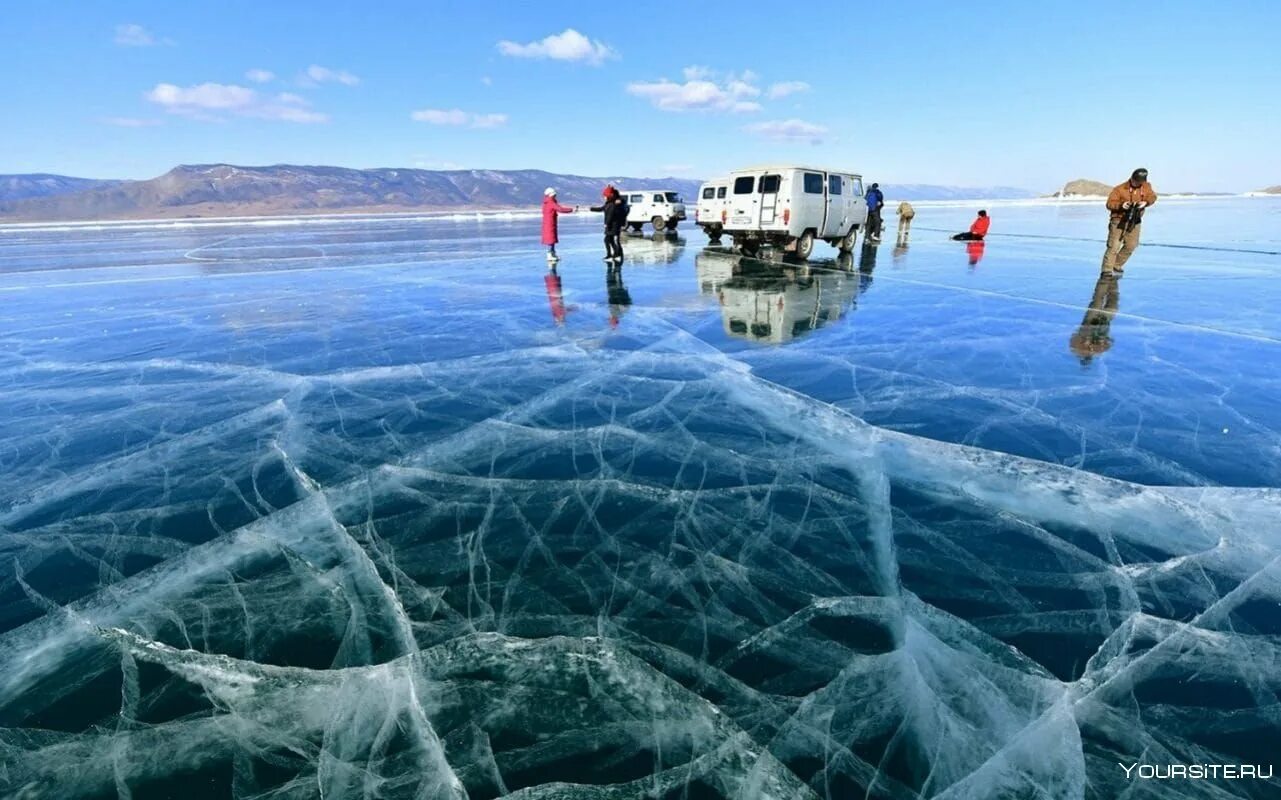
[1011, 93]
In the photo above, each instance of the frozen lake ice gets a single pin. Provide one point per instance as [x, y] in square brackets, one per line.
[382, 508]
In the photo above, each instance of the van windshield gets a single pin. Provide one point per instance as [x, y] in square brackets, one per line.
[673, 197]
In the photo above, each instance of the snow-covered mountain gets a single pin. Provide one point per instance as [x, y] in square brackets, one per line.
[22, 187]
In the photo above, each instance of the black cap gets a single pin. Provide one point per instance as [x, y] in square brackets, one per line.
[1139, 174]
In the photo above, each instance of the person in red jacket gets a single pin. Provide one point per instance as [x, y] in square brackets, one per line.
[978, 229]
[551, 209]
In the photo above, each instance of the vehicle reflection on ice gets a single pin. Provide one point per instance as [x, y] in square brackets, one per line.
[776, 302]
[658, 248]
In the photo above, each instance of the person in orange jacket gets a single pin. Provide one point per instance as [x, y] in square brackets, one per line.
[1126, 205]
[978, 229]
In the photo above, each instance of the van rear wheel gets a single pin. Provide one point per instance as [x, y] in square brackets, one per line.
[849, 241]
[659, 224]
[805, 245]
[749, 247]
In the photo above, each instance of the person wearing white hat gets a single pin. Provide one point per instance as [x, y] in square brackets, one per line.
[551, 210]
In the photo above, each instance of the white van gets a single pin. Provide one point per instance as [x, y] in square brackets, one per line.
[661, 208]
[790, 206]
[712, 210]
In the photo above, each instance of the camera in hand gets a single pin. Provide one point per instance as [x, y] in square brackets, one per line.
[1131, 216]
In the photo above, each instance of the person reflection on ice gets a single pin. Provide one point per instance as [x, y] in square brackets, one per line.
[974, 251]
[619, 298]
[1093, 337]
[866, 263]
[555, 295]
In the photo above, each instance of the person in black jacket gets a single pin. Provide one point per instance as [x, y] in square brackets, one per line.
[614, 208]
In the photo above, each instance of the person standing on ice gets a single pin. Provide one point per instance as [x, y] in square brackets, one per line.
[1126, 204]
[875, 202]
[978, 229]
[614, 208]
[551, 210]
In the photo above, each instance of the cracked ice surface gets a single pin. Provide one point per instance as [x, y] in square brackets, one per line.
[375, 510]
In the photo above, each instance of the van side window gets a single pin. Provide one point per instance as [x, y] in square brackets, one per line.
[636, 199]
[658, 198]
[833, 184]
[813, 183]
[857, 184]
[770, 183]
[744, 185]
[720, 193]
[709, 193]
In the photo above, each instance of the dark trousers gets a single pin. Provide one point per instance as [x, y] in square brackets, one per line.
[874, 222]
[613, 246]
[968, 237]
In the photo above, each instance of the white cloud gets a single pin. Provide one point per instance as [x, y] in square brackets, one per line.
[569, 45]
[789, 130]
[701, 91]
[319, 74]
[260, 75]
[784, 88]
[206, 101]
[130, 122]
[134, 35]
[458, 118]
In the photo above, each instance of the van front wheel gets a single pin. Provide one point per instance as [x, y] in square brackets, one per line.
[805, 245]
[659, 224]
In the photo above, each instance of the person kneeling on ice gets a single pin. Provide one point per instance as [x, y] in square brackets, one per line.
[551, 210]
[978, 229]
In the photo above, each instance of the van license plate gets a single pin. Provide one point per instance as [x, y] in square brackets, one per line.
[742, 220]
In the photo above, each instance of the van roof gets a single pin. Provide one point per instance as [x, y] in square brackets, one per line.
[784, 167]
[635, 191]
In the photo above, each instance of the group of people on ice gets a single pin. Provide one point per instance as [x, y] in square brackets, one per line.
[614, 209]
[1125, 205]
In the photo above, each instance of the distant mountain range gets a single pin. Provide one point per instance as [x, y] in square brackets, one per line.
[22, 187]
[929, 191]
[1271, 190]
[210, 190]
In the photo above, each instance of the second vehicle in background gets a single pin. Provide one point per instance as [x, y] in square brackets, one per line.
[712, 211]
[661, 208]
